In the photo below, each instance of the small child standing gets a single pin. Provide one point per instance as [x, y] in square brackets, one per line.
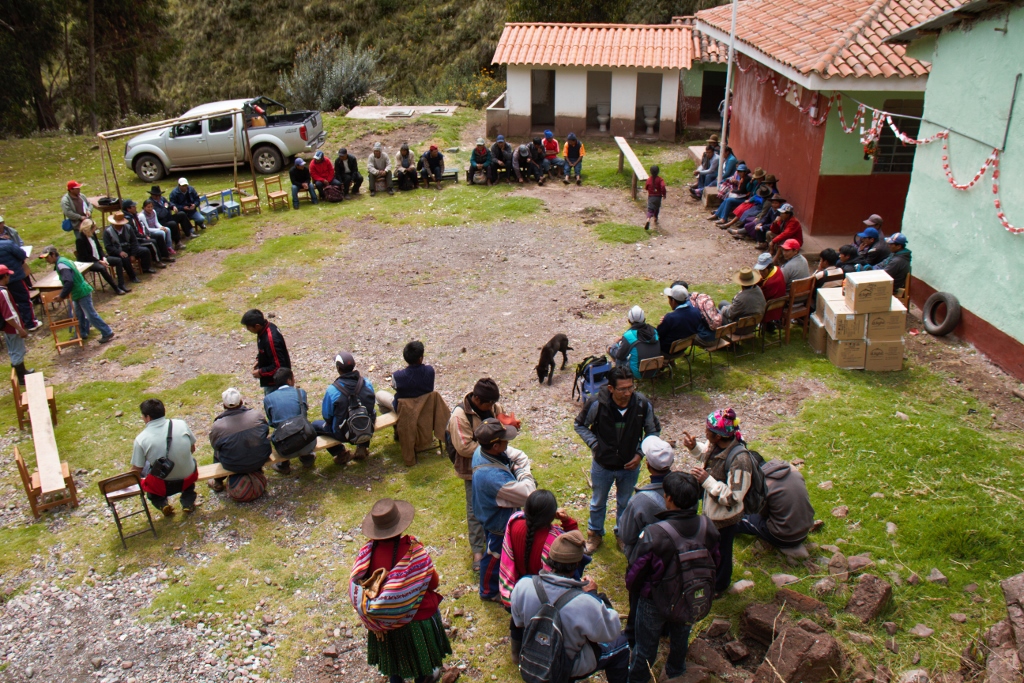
[655, 188]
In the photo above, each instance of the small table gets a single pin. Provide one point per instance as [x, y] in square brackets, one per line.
[52, 281]
[47, 459]
[103, 208]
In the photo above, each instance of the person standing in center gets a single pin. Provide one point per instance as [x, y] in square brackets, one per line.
[80, 292]
[656, 191]
[479, 404]
[271, 351]
[613, 424]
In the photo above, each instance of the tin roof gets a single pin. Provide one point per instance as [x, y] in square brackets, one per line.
[652, 46]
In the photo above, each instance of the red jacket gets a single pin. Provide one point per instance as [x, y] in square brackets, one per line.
[774, 287]
[655, 186]
[322, 171]
[791, 230]
[550, 148]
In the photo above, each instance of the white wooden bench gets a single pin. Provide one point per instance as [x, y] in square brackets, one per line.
[216, 470]
[51, 476]
[626, 153]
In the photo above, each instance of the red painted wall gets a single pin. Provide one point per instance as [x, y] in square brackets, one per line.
[771, 133]
[843, 201]
[999, 347]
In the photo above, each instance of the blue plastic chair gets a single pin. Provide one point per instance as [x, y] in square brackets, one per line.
[228, 203]
[210, 213]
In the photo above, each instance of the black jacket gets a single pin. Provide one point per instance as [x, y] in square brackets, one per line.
[271, 354]
[138, 229]
[656, 551]
[299, 175]
[614, 438]
[83, 252]
[115, 243]
[343, 167]
[163, 209]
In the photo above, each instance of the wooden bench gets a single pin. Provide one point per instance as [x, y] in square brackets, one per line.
[216, 470]
[21, 401]
[626, 152]
[53, 475]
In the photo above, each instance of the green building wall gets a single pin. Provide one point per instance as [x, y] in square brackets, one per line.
[958, 244]
[842, 153]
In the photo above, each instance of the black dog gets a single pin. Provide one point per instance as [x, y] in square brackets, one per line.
[546, 366]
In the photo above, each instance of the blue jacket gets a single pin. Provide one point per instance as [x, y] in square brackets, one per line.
[489, 475]
[13, 256]
[182, 199]
[642, 334]
[284, 403]
[730, 166]
[367, 397]
[413, 382]
[681, 323]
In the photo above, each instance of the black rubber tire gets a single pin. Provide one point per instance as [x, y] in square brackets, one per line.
[948, 323]
[267, 160]
[148, 168]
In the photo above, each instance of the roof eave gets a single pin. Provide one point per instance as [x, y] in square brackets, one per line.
[814, 80]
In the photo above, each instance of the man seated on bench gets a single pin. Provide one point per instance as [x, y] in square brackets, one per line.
[346, 170]
[406, 176]
[749, 301]
[162, 457]
[685, 320]
[337, 405]
[524, 165]
[479, 162]
[282, 404]
[431, 166]
[572, 159]
[414, 381]
[378, 166]
[501, 159]
[239, 438]
[539, 155]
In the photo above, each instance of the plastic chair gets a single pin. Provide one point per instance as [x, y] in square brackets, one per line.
[278, 198]
[249, 196]
[210, 213]
[122, 487]
[34, 488]
[48, 298]
[230, 206]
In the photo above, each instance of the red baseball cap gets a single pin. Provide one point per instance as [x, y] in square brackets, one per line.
[791, 244]
[4, 270]
[72, 184]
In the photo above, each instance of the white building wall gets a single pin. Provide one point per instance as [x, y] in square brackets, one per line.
[670, 95]
[518, 98]
[623, 93]
[571, 92]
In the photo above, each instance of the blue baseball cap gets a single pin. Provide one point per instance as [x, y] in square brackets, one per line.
[501, 138]
[548, 134]
[299, 161]
[868, 232]
[742, 167]
[896, 238]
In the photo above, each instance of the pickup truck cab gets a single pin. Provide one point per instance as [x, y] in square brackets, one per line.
[275, 134]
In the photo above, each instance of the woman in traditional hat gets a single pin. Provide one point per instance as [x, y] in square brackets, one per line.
[393, 589]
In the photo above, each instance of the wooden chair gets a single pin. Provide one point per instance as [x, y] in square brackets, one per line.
[278, 198]
[904, 294]
[34, 489]
[228, 203]
[749, 324]
[798, 306]
[653, 368]
[248, 196]
[57, 324]
[682, 348]
[773, 305]
[210, 212]
[21, 401]
[122, 487]
[721, 343]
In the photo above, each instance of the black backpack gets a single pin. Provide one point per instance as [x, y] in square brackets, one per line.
[357, 424]
[542, 658]
[757, 494]
[293, 435]
[688, 587]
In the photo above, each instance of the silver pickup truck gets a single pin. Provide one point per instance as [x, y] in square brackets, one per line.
[275, 134]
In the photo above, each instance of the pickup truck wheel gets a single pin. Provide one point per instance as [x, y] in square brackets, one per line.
[148, 168]
[267, 160]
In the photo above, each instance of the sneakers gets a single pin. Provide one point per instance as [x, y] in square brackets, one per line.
[33, 328]
[104, 340]
[168, 510]
[216, 486]
[594, 540]
[158, 264]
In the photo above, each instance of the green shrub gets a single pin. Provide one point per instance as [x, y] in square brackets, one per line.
[329, 73]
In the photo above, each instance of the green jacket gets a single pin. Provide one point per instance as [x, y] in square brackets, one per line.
[78, 286]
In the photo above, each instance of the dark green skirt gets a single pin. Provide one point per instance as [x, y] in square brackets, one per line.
[414, 650]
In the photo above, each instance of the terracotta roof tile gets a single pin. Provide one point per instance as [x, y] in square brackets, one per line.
[828, 37]
[705, 48]
[660, 46]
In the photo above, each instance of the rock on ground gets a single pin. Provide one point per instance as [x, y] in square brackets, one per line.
[799, 655]
[869, 598]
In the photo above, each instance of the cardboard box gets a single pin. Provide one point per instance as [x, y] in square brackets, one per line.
[816, 336]
[869, 291]
[884, 355]
[889, 325]
[841, 322]
[828, 294]
[846, 353]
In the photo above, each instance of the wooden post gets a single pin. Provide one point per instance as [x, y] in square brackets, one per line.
[234, 149]
[113, 171]
[621, 157]
[103, 165]
[634, 187]
[248, 156]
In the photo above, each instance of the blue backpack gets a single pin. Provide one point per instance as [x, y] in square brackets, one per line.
[591, 375]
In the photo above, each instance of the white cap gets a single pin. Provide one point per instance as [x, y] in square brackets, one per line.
[659, 453]
[678, 293]
[481, 141]
[376, 146]
[231, 398]
[183, 181]
[786, 208]
[636, 315]
[1, 219]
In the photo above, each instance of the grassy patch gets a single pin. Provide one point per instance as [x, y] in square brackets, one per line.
[226, 281]
[164, 303]
[288, 290]
[126, 357]
[213, 314]
[621, 232]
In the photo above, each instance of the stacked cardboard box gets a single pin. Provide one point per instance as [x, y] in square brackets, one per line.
[860, 327]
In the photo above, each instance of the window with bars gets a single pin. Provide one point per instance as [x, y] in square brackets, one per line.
[891, 155]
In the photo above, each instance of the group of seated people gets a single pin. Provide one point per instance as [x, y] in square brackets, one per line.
[535, 160]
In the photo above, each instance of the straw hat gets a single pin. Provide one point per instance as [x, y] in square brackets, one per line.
[387, 519]
[746, 277]
[117, 218]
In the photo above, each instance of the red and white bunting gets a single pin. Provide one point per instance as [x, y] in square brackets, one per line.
[907, 140]
[998, 201]
[992, 158]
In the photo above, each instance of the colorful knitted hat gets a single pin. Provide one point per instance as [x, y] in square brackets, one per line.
[724, 423]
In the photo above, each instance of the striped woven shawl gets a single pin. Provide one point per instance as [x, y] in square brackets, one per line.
[402, 592]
